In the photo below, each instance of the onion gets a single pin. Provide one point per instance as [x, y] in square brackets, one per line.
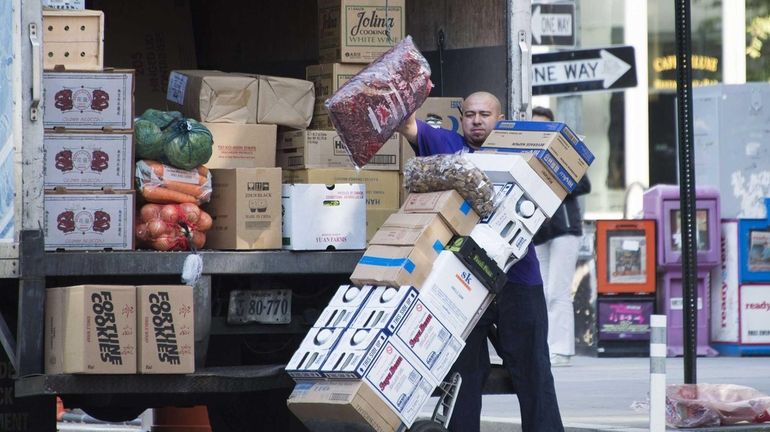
[170, 213]
[157, 228]
[204, 222]
[142, 231]
[150, 212]
[191, 212]
[199, 239]
[165, 243]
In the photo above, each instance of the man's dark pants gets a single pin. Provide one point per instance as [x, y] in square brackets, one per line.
[522, 326]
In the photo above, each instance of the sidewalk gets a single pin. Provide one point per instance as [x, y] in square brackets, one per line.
[599, 394]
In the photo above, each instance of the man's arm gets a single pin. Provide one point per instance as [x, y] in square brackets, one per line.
[408, 129]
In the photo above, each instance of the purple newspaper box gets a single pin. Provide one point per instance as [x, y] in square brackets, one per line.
[661, 203]
[624, 318]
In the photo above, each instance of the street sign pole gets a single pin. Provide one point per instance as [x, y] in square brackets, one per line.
[687, 188]
[519, 58]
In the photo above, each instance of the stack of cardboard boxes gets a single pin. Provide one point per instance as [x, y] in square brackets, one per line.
[116, 329]
[88, 146]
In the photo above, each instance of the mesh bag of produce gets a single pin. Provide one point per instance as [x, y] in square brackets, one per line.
[162, 184]
[172, 227]
[370, 107]
[447, 172]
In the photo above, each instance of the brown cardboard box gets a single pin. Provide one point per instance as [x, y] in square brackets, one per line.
[407, 152]
[213, 96]
[323, 149]
[442, 112]
[381, 186]
[393, 266]
[242, 145]
[425, 231]
[353, 31]
[455, 211]
[89, 221]
[220, 97]
[375, 218]
[152, 43]
[327, 78]
[89, 100]
[166, 322]
[332, 405]
[246, 209]
[92, 329]
[88, 161]
[59, 43]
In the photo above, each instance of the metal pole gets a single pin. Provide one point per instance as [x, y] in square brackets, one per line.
[657, 373]
[520, 58]
[687, 188]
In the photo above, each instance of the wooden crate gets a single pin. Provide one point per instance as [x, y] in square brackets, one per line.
[73, 39]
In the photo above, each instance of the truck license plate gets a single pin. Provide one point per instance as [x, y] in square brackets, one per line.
[264, 306]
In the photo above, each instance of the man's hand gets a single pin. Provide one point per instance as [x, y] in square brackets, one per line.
[408, 129]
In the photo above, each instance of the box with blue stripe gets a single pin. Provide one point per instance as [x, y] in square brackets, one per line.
[393, 266]
[556, 138]
[426, 231]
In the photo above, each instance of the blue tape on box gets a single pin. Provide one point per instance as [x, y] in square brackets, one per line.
[437, 246]
[465, 208]
[540, 126]
[406, 263]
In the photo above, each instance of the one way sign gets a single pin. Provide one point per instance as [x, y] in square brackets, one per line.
[583, 70]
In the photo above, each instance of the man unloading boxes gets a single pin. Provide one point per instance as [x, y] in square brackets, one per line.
[519, 310]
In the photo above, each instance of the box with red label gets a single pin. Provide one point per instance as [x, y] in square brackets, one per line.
[167, 323]
[431, 342]
[89, 100]
[91, 329]
[89, 221]
[88, 161]
[313, 352]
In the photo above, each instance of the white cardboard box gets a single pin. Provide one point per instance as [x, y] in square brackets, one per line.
[454, 294]
[354, 353]
[505, 168]
[336, 317]
[351, 296]
[89, 100]
[89, 221]
[431, 342]
[312, 352]
[386, 308]
[88, 161]
[320, 217]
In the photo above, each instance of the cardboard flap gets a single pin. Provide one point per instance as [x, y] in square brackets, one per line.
[285, 101]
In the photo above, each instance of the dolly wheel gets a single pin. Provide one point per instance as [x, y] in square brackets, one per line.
[427, 426]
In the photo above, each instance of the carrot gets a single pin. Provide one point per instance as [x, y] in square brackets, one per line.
[159, 170]
[161, 195]
[189, 189]
[203, 171]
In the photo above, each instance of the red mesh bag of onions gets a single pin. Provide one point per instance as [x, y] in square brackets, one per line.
[370, 107]
[172, 227]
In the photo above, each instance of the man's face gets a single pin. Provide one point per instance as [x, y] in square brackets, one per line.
[480, 114]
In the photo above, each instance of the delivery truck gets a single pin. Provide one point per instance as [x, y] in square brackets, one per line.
[251, 307]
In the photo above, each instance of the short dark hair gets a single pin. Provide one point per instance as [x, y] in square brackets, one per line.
[543, 112]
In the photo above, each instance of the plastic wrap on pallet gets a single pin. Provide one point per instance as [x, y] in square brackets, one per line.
[370, 107]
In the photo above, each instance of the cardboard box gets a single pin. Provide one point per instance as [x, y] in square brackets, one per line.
[393, 266]
[322, 217]
[476, 259]
[354, 353]
[313, 352]
[454, 295]
[167, 323]
[89, 221]
[385, 308]
[425, 231]
[73, 39]
[246, 208]
[407, 152]
[220, 97]
[443, 112]
[89, 100]
[374, 220]
[64, 4]
[88, 161]
[527, 172]
[453, 209]
[351, 296]
[554, 143]
[353, 31]
[152, 43]
[323, 149]
[327, 78]
[381, 186]
[342, 404]
[431, 342]
[242, 145]
[92, 329]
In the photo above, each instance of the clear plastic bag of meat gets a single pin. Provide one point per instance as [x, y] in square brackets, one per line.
[451, 171]
[706, 405]
[370, 107]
